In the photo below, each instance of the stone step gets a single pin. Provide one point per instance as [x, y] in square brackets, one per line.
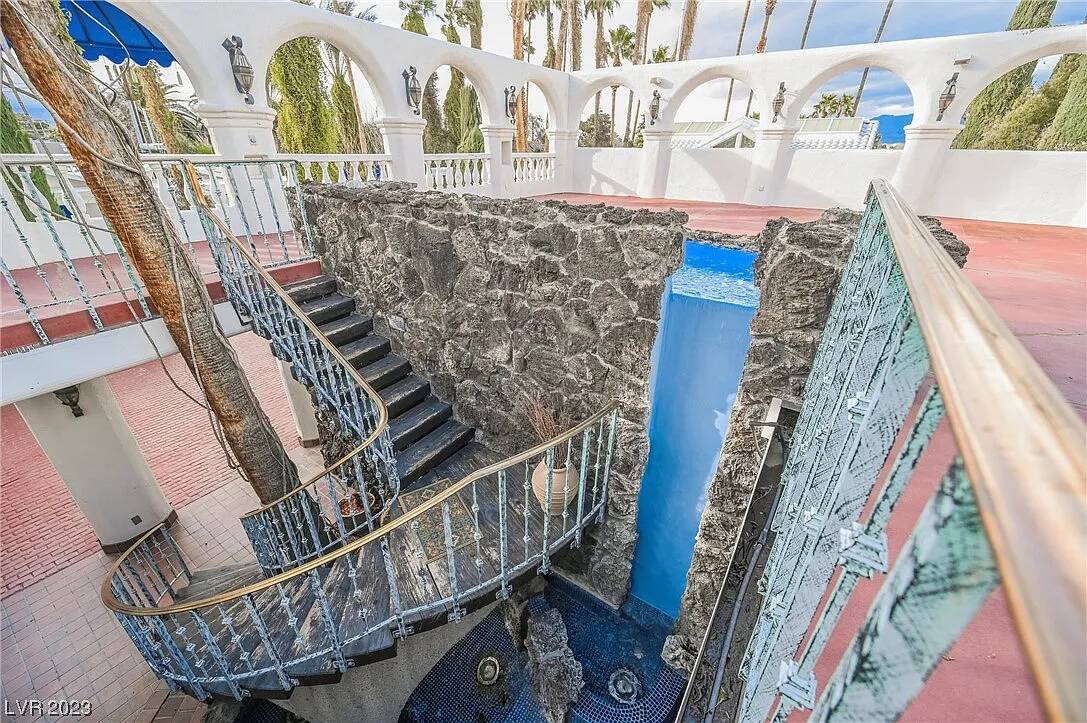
[386, 370]
[366, 350]
[405, 394]
[328, 308]
[419, 421]
[347, 329]
[311, 289]
[431, 450]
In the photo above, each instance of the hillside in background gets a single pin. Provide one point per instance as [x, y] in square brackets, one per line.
[892, 127]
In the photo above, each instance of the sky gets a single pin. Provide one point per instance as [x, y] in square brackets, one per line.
[836, 22]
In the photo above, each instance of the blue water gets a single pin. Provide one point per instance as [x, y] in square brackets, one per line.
[697, 362]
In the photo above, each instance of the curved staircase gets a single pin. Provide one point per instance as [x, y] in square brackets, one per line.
[381, 544]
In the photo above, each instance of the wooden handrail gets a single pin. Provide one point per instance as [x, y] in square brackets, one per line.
[1025, 450]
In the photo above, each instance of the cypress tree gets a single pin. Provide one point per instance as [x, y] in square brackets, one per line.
[1068, 131]
[1022, 126]
[13, 139]
[993, 103]
[304, 121]
[343, 114]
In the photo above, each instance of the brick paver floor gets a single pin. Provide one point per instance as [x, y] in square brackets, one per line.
[41, 529]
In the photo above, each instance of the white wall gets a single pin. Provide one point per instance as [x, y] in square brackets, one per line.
[825, 178]
[709, 174]
[1018, 186]
[610, 171]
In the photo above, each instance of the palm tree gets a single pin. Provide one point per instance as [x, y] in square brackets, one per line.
[761, 47]
[641, 38]
[739, 45]
[546, 8]
[686, 29]
[828, 105]
[518, 12]
[661, 54]
[600, 47]
[621, 46]
[879, 34]
[575, 36]
[558, 59]
[416, 13]
[807, 24]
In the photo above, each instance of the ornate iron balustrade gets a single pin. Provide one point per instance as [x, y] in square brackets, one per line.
[450, 171]
[1010, 509]
[533, 167]
[298, 527]
[487, 530]
[44, 265]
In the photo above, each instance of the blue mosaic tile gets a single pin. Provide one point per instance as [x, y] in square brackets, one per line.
[602, 639]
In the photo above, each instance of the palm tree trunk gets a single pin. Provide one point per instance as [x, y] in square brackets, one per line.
[364, 143]
[641, 30]
[807, 24]
[761, 47]
[634, 124]
[518, 10]
[739, 45]
[626, 126]
[131, 206]
[611, 136]
[686, 32]
[879, 34]
[559, 61]
[575, 35]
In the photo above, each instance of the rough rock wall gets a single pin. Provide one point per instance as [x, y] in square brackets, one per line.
[797, 272]
[494, 300]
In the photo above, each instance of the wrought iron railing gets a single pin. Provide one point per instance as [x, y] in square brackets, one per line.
[451, 171]
[60, 255]
[533, 167]
[473, 538]
[1010, 509]
[297, 527]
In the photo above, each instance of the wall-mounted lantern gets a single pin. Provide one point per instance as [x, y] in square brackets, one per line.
[948, 96]
[240, 67]
[655, 107]
[778, 103]
[511, 103]
[412, 89]
[69, 397]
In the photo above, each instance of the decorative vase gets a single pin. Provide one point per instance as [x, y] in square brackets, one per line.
[559, 477]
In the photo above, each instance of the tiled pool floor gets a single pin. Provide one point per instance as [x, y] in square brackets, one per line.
[602, 640]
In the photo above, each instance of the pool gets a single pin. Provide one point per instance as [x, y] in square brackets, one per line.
[698, 359]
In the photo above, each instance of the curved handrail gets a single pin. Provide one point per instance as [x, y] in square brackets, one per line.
[1025, 450]
[381, 423]
[115, 605]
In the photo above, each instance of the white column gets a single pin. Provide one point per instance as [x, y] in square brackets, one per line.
[298, 397]
[769, 164]
[923, 156]
[564, 145]
[498, 144]
[240, 132]
[98, 459]
[404, 142]
[654, 163]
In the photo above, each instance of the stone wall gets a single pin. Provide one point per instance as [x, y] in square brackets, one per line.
[496, 300]
[797, 272]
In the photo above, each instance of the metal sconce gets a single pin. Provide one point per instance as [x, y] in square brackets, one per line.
[948, 96]
[240, 67]
[655, 107]
[511, 103]
[778, 103]
[69, 397]
[412, 89]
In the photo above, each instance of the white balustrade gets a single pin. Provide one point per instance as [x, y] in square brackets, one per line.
[449, 171]
[352, 169]
[533, 167]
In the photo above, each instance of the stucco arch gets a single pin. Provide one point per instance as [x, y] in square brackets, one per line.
[900, 68]
[584, 96]
[674, 100]
[489, 95]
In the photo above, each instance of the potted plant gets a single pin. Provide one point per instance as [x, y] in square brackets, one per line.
[564, 478]
[354, 512]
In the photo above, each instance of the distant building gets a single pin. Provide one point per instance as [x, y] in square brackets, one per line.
[837, 133]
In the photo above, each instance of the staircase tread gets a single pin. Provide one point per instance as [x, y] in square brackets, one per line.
[211, 581]
[432, 449]
[386, 370]
[365, 350]
[327, 308]
[347, 328]
[409, 386]
[418, 421]
[311, 288]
